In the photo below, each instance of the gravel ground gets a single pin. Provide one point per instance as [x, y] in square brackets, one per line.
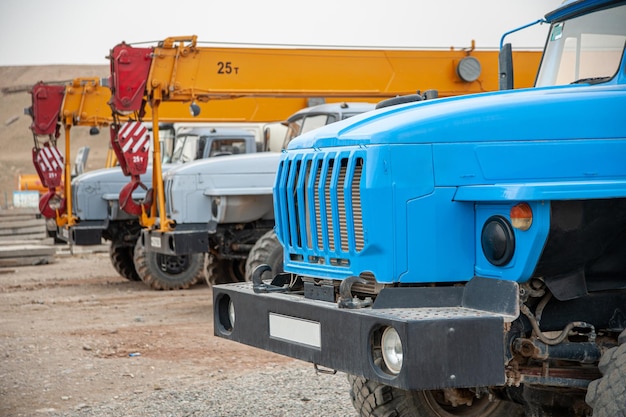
[292, 392]
[78, 340]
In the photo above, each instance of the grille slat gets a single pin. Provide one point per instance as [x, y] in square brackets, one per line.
[317, 206]
[320, 196]
[328, 204]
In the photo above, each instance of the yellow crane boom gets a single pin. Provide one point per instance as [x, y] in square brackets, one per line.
[179, 69]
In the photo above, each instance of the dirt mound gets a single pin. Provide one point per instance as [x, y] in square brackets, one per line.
[15, 134]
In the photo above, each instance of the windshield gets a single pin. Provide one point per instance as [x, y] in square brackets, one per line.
[231, 146]
[585, 49]
[309, 122]
[167, 136]
[187, 148]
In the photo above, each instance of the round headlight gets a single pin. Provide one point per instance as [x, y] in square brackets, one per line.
[392, 350]
[215, 206]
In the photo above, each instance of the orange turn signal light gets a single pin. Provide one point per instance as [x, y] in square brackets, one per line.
[521, 216]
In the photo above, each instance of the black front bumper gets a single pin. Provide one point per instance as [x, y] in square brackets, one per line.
[181, 241]
[87, 233]
[448, 341]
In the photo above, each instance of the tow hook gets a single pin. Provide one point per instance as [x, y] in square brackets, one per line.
[325, 371]
[345, 294]
[129, 205]
[261, 287]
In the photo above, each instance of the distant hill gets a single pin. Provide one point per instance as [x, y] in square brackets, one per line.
[15, 135]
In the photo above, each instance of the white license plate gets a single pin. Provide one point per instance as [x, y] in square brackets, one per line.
[293, 329]
[155, 242]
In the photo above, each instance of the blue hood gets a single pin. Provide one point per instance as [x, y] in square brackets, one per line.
[565, 112]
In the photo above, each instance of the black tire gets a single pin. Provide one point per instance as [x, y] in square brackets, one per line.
[164, 272]
[266, 250]
[372, 399]
[224, 271]
[607, 395]
[122, 260]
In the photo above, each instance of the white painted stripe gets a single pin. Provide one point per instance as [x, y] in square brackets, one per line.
[139, 129]
[57, 159]
[134, 128]
[133, 136]
[46, 159]
[293, 329]
[141, 142]
[125, 127]
[126, 146]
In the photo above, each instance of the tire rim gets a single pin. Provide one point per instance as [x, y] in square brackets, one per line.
[173, 265]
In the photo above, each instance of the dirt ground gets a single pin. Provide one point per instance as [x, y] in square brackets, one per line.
[75, 333]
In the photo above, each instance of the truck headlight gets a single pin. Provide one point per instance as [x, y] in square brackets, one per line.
[392, 350]
[215, 207]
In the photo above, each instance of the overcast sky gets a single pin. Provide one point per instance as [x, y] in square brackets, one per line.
[42, 32]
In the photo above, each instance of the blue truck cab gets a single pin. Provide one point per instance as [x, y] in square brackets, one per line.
[464, 255]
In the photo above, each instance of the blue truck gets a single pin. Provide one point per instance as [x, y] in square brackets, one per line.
[462, 256]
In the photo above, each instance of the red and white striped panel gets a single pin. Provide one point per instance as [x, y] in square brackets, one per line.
[49, 159]
[134, 138]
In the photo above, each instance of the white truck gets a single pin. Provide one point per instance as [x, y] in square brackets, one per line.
[96, 205]
[223, 206]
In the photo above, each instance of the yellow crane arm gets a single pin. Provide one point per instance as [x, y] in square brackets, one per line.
[179, 70]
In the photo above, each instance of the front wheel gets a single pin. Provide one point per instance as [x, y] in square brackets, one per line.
[122, 259]
[266, 250]
[607, 395]
[372, 399]
[224, 271]
[166, 272]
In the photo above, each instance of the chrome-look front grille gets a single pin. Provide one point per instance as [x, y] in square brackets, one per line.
[320, 205]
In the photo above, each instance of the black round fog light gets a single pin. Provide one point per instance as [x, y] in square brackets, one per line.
[498, 241]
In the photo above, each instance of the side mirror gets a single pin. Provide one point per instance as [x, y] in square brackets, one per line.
[505, 63]
[80, 163]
